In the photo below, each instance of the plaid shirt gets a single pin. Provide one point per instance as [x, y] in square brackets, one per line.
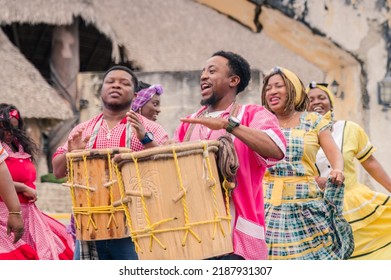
[116, 134]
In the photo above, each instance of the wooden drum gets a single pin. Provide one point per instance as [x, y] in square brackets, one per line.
[177, 207]
[94, 187]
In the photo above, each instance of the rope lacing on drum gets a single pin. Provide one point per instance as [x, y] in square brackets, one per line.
[217, 220]
[87, 177]
[89, 209]
[145, 209]
[112, 217]
[71, 181]
[125, 208]
[183, 201]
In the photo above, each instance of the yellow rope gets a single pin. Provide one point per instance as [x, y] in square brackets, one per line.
[144, 205]
[87, 184]
[110, 166]
[126, 209]
[183, 200]
[217, 221]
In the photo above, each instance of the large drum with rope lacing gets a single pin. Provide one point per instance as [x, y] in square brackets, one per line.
[178, 208]
[94, 188]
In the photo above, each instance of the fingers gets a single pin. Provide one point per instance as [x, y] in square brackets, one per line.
[88, 137]
[136, 123]
[18, 235]
[336, 177]
[76, 142]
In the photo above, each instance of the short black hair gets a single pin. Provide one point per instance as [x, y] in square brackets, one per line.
[239, 66]
[123, 68]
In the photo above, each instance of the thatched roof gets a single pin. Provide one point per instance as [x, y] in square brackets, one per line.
[23, 86]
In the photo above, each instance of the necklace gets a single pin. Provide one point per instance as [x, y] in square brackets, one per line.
[108, 135]
[283, 125]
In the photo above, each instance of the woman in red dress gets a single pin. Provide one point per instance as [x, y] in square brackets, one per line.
[44, 237]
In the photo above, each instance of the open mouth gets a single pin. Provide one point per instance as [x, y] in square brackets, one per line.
[205, 87]
[317, 109]
[274, 101]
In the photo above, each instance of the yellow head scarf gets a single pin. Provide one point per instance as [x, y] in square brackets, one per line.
[329, 115]
[292, 77]
[324, 88]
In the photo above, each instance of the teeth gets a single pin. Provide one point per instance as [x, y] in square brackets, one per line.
[204, 86]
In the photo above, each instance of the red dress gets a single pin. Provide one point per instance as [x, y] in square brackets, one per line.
[44, 237]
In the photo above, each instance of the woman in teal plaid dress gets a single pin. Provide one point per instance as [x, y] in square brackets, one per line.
[302, 220]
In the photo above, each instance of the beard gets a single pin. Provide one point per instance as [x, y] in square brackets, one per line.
[210, 101]
[117, 107]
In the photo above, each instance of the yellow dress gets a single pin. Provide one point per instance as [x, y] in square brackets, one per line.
[367, 211]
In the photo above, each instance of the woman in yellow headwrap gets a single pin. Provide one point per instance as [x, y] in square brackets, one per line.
[367, 211]
[302, 220]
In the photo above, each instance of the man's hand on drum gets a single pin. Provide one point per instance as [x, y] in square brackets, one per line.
[211, 123]
[136, 123]
[76, 142]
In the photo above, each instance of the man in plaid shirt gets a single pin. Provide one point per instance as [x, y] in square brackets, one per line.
[116, 126]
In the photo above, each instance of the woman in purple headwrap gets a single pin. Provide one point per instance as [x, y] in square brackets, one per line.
[147, 101]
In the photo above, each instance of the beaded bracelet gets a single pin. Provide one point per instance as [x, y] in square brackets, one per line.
[15, 213]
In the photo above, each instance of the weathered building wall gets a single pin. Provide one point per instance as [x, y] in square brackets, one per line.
[346, 40]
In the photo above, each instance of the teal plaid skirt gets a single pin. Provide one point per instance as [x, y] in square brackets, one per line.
[304, 223]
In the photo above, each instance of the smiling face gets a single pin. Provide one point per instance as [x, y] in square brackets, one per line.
[216, 80]
[319, 101]
[117, 90]
[151, 109]
[275, 94]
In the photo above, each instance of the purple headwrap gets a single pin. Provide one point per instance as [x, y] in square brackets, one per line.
[144, 95]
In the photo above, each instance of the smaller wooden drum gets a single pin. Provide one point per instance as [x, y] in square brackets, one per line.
[94, 187]
[177, 207]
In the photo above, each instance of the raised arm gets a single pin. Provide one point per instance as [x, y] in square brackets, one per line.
[257, 140]
[376, 170]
